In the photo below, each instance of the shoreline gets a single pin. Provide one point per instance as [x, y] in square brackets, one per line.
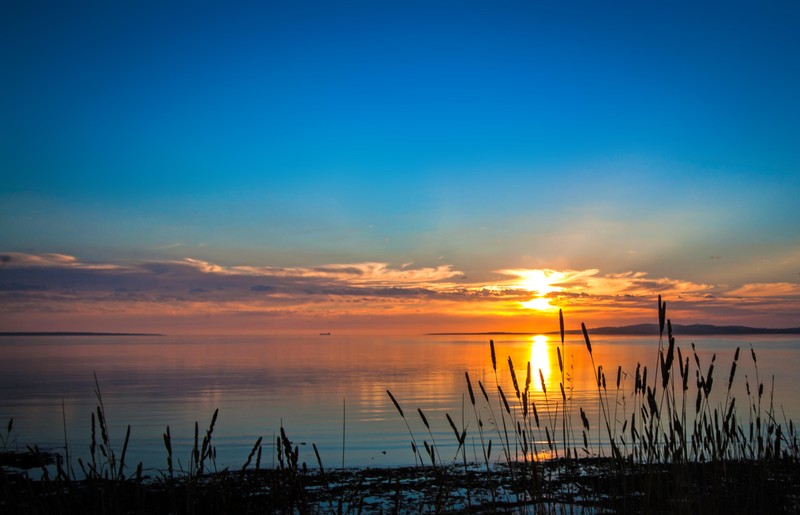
[589, 483]
[75, 333]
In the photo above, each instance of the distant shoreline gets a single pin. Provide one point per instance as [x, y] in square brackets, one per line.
[648, 330]
[68, 333]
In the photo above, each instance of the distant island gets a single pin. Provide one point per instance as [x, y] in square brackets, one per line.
[68, 333]
[650, 329]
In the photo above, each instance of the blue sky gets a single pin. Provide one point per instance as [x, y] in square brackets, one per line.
[484, 136]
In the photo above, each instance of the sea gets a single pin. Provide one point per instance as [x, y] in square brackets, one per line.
[331, 392]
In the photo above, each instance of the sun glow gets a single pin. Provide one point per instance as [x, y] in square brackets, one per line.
[539, 304]
[540, 283]
[540, 359]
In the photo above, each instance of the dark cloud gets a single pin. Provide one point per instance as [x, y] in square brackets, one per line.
[164, 268]
[262, 288]
[646, 284]
[167, 281]
[569, 295]
[348, 270]
[22, 287]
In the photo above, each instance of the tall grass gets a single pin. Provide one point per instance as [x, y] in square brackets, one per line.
[654, 425]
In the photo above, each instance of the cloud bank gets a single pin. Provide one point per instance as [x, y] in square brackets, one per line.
[39, 288]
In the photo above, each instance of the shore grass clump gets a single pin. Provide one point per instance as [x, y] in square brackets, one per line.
[657, 445]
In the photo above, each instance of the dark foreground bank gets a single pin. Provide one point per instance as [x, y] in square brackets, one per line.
[588, 485]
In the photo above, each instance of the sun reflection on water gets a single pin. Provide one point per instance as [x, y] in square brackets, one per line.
[540, 359]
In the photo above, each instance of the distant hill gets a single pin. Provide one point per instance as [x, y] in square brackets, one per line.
[652, 329]
[688, 330]
[67, 333]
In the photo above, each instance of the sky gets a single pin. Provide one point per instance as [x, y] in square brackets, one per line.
[381, 167]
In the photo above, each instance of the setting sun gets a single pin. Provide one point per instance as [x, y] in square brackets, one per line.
[539, 304]
[540, 283]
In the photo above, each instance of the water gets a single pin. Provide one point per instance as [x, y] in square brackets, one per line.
[323, 389]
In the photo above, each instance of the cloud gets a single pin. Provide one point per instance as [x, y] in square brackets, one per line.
[60, 273]
[262, 287]
[591, 283]
[767, 290]
[13, 286]
[628, 295]
[20, 260]
[203, 266]
[358, 273]
[57, 283]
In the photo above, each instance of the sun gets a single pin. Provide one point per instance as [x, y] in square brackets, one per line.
[537, 280]
[539, 304]
[540, 283]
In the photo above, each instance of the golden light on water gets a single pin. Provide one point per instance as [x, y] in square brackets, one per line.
[540, 359]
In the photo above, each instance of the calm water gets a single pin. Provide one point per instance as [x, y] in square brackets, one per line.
[314, 385]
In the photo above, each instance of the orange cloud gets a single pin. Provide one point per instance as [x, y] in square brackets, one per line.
[56, 287]
[357, 273]
[589, 284]
[767, 290]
